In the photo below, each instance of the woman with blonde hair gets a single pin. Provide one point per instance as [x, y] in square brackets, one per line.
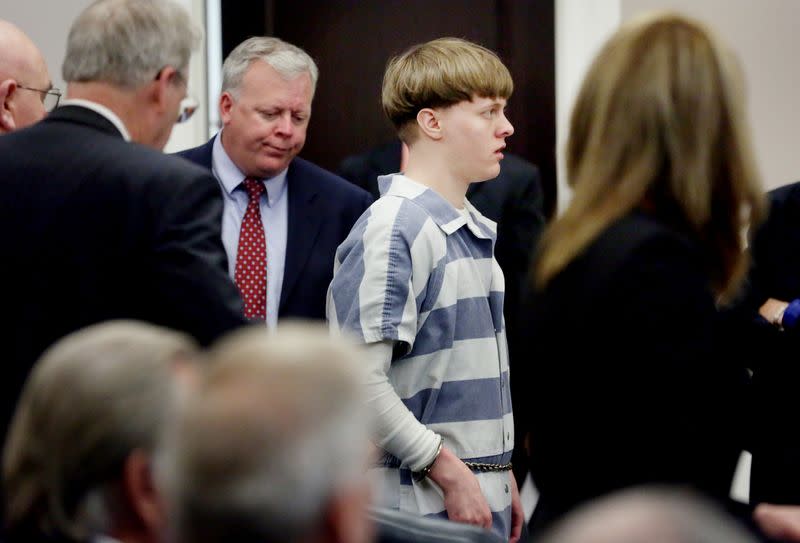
[629, 383]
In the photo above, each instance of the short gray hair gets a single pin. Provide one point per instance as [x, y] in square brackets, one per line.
[277, 427]
[93, 398]
[288, 60]
[126, 42]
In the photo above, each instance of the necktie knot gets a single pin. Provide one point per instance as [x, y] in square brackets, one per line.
[254, 187]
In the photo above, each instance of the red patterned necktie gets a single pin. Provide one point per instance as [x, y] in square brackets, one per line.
[251, 257]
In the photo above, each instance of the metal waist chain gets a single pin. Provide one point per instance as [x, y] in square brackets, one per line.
[480, 466]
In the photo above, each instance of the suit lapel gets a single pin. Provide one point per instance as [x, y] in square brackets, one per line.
[303, 227]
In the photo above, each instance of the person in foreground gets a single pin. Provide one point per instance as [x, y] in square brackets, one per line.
[78, 462]
[665, 515]
[101, 224]
[272, 444]
[631, 377]
[417, 281]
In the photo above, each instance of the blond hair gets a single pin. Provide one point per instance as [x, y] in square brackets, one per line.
[440, 73]
[659, 122]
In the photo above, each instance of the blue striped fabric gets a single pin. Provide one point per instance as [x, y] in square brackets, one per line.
[416, 270]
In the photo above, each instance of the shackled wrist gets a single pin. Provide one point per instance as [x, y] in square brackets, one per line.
[426, 471]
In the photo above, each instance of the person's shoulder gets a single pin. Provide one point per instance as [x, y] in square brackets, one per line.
[156, 172]
[515, 165]
[640, 236]
[197, 153]
[332, 184]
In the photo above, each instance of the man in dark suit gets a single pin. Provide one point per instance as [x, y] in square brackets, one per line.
[94, 227]
[283, 216]
[514, 200]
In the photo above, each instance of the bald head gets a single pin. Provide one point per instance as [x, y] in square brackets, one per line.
[651, 515]
[22, 67]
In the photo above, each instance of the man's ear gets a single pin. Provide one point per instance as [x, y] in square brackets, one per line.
[160, 85]
[142, 495]
[225, 106]
[7, 89]
[428, 121]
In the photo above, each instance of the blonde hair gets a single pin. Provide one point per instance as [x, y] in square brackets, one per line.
[659, 123]
[440, 73]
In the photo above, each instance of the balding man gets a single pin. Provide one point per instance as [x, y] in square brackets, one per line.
[26, 92]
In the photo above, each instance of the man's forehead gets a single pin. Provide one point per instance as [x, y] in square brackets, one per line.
[489, 99]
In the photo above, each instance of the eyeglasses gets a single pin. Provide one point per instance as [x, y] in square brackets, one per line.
[188, 106]
[50, 97]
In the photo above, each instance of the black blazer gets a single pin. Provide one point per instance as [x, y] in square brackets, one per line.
[775, 273]
[322, 209]
[514, 200]
[625, 385]
[95, 228]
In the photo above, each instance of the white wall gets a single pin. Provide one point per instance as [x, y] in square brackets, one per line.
[581, 28]
[47, 22]
[764, 35]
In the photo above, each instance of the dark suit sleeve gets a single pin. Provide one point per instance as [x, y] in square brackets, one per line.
[190, 267]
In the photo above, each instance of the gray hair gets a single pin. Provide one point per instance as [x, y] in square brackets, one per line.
[126, 42]
[288, 60]
[276, 429]
[93, 398]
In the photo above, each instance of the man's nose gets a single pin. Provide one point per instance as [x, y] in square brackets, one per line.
[285, 125]
[506, 128]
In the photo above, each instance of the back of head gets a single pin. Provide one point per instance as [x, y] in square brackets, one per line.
[93, 398]
[288, 60]
[648, 515]
[659, 123]
[274, 432]
[126, 42]
[440, 73]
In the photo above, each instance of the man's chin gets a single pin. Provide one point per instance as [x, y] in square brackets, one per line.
[271, 168]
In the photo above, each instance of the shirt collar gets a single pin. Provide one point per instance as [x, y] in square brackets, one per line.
[446, 217]
[230, 176]
[100, 109]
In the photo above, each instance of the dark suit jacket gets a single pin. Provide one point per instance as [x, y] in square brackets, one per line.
[322, 209]
[625, 385]
[514, 200]
[95, 228]
[775, 273]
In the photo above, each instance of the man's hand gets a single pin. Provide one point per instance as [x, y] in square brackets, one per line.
[780, 522]
[463, 498]
[517, 513]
